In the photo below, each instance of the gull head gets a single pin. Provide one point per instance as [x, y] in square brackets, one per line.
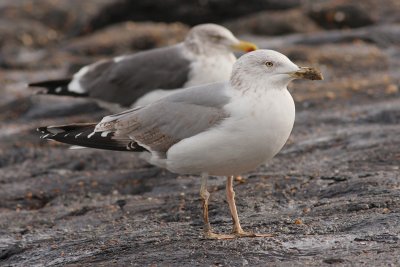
[213, 38]
[269, 69]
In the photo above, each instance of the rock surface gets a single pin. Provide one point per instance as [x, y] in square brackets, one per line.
[190, 12]
[330, 197]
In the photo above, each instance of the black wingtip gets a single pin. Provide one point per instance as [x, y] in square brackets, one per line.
[85, 135]
[41, 129]
[45, 133]
[50, 83]
[56, 87]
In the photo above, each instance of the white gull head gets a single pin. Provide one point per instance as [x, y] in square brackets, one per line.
[268, 69]
[212, 38]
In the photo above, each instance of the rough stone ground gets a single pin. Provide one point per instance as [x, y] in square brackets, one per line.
[330, 197]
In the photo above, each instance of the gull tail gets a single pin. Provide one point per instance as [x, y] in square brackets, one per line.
[56, 87]
[84, 135]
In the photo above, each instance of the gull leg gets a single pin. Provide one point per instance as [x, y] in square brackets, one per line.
[237, 228]
[205, 195]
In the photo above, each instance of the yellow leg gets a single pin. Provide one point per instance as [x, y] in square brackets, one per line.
[237, 228]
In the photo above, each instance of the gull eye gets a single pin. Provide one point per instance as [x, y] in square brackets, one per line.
[269, 64]
[216, 37]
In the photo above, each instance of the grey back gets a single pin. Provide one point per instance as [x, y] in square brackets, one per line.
[125, 81]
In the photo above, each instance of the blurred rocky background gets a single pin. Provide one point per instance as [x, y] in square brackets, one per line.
[330, 197]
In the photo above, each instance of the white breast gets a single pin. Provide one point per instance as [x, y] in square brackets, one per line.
[254, 133]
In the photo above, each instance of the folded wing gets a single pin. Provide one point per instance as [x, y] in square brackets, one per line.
[155, 127]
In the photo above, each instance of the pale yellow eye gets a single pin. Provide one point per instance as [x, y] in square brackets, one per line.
[269, 64]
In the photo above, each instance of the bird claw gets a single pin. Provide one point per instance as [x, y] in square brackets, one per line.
[215, 236]
[234, 235]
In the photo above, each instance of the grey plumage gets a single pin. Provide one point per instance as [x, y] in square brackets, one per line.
[155, 127]
[124, 81]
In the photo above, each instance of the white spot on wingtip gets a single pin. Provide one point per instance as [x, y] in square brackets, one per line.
[76, 136]
[104, 134]
[58, 90]
[131, 146]
[45, 136]
[91, 134]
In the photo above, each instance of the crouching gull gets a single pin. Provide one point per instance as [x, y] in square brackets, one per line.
[223, 129]
[205, 56]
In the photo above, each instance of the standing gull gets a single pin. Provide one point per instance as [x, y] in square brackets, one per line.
[205, 56]
[218, 129]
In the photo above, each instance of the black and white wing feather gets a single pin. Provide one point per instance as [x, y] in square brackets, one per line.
[84, 135]
[155, 127]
